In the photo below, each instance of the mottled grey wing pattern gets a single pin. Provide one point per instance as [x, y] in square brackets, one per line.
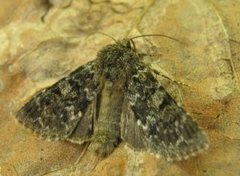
[57, 112]
[165, 128]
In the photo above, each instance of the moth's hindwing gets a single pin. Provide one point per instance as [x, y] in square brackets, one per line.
[59, 111]
[164, 127]
[130, 131]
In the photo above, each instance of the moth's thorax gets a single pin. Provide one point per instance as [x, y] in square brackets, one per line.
[116, 60]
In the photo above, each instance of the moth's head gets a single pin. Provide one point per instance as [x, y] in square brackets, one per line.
[116, 60]
[126, 43]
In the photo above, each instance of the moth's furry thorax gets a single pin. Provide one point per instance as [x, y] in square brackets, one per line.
[116, 60]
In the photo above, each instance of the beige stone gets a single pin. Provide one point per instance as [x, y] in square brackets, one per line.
[35, 35]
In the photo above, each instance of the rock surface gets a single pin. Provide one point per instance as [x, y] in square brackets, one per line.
[42, 41]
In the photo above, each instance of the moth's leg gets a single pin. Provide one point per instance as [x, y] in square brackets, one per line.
[151, 60]
[172, 86]
[166, 75]
[107, 126]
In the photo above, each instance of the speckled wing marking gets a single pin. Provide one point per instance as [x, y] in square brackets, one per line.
[164, 128]
[58, 111]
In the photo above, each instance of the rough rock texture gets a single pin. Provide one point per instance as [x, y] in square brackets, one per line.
[41, 41]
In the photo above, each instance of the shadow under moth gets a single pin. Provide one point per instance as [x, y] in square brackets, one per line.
[112, 99]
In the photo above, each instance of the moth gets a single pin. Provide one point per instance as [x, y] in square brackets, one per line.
[114, 98]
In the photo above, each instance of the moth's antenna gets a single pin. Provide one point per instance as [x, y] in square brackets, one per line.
[161, 35]
[104, 34]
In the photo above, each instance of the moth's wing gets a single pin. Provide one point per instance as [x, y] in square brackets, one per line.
[57, 112]
[163, 126]
[84, 129]
[130, 130]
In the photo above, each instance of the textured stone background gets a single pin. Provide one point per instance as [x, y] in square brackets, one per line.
[41, 41]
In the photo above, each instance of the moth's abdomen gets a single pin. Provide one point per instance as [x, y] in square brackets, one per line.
[107, 126]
